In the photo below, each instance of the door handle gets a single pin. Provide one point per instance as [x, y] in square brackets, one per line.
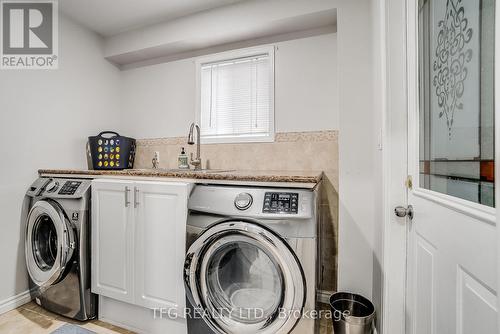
[136, 197]
[401, 211]
[127, 201]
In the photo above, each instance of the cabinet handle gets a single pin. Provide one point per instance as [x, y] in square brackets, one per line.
[127, 192]
[136, 197]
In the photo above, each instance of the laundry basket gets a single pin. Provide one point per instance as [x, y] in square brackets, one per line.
[352, 314]
[110, 151]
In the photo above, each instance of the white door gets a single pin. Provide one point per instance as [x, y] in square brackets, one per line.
[112, 244]
[160, 233]
[451, 273]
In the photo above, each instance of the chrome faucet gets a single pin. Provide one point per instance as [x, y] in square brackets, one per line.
[195, 162]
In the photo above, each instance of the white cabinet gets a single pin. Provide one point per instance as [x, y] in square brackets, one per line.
[160, 233]
[138, 241]
[112, 231]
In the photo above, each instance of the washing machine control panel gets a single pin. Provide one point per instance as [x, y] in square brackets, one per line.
[281, 202]
[69, 187]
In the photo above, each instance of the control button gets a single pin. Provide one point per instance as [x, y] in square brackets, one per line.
[52, 186]
[243, 201]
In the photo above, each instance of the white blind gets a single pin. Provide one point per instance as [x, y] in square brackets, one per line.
[236, 98]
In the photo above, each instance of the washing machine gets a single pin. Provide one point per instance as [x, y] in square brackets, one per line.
[57, 247]
[250, 264]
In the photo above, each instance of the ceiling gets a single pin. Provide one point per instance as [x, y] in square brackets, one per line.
[110, 17]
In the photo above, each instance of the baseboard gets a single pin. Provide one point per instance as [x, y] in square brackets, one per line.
[14, 302]
[323, 296]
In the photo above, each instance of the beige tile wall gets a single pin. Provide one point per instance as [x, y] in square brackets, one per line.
[291, 151]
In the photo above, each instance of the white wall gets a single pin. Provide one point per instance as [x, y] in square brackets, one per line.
[358, 213]
[159, 100]
[45, 117]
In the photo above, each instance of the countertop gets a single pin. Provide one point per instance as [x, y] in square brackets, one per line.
[279, 178]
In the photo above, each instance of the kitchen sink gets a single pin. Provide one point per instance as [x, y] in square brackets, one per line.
[176, 170]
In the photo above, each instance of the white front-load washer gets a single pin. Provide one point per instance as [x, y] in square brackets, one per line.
[250, 266]
[57, 247]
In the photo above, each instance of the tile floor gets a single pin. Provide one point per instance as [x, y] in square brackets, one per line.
[32, 319]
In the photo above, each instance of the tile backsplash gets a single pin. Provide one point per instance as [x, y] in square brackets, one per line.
[291, 151]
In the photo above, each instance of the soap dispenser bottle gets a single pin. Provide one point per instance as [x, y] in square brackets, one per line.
[183, 162]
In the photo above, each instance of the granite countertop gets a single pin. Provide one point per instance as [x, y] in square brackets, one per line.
[229, 175]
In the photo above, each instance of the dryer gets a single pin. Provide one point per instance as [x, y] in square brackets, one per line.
[57, 247]
[250, 265]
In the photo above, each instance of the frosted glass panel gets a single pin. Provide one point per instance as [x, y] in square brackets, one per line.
[456, 98]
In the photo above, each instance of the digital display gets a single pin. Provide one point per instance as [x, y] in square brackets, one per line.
[69, 188]
[281, 203]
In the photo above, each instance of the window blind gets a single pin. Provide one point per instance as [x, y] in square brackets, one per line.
[235, 98]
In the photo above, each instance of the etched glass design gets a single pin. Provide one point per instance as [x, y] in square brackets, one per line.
[456, 98]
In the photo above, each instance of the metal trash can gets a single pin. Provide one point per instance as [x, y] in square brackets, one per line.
[352, 314]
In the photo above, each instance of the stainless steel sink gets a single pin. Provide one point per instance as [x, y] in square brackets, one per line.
[175, 170]
[200, 170]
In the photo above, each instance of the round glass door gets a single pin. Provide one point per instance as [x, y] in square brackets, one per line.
[243, 278]
[49, 243]
[45, 242]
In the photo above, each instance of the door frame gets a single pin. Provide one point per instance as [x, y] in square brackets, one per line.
[497, 144]
[395, 168]
[401, 113]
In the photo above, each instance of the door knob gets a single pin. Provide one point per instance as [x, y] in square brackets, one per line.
[401, 211]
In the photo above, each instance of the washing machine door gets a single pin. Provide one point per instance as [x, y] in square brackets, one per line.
[242, 277]
[49, 243]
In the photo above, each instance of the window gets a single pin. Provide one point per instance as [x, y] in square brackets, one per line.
[236, 96]
[457, 98]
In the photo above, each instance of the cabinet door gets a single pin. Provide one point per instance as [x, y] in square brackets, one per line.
[161, 214]
[112, 243]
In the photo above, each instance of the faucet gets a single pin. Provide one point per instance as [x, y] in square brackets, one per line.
[156, 160]
[195, 162]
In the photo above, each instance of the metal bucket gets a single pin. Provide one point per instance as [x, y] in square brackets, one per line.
[352, 314]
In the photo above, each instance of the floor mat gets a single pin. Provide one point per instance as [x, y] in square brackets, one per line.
[72, 329]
